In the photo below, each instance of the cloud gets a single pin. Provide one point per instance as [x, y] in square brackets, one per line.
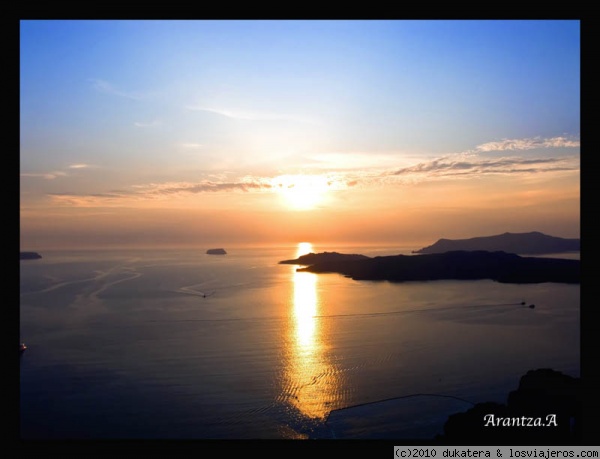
[353, 160]
[191, 145]
[107, 88]
[88, 200]
[526, 144]
[81, 166]
[46, 175]
[457, 166]
[150, 124]
[249, 115]
[55, 174]
[155, 191]
[454, 166]
[469, 163]
[163, 189]
[172, 190]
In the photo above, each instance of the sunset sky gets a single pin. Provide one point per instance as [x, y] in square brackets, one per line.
[201, 133]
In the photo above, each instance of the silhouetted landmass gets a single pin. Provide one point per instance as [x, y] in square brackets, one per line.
[312, 258]
[216, 252]
[29, 256]
[521, 243]
[457, 265]
[546, 408]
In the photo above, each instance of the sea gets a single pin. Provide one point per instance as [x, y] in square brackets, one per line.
[180, 344]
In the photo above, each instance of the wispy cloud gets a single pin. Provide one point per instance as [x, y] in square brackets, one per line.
[353, 160]
[449, 166]
[174, 190]
[45, 175]
[471, 163]
[153, 191]
[163, 189]
[88, 200]
[454, 166]
[107, 88]
[81, 166]
[526, 144]
[249, 115]
[55, 174]
[457, 166]
[149, 124]
[190, 145]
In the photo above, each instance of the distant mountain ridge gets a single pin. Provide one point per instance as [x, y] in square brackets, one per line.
[519, 243]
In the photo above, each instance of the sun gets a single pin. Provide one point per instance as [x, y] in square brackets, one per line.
[301, 192]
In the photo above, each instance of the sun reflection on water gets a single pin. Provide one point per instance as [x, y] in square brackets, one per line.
[311, 381]
[305, 310]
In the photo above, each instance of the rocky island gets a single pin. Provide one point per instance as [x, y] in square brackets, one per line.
[29, 256]
[454, 265]
[519, 243]
[216, 252]
[312, 258]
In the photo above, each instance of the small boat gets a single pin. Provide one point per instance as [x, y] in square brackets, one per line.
[22, 347]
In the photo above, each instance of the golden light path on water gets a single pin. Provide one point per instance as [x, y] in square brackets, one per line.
[305, 303]
[311, 380]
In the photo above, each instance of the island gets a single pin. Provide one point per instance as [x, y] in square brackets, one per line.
[312, 258]
[216, 252]
[29, 256]
[454, 265]
[520, 243]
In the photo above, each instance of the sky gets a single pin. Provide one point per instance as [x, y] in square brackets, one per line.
[176, 133]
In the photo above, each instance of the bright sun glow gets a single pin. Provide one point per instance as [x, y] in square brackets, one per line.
[301, 192]
[303, 249]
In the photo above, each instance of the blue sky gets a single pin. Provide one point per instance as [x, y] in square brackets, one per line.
[208, 114]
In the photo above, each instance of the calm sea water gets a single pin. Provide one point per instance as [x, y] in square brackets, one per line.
[181, 344]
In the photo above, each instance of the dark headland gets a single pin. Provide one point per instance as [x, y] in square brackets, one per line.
[545, 408]
[216, 252]
[455, 265]
[534, 243]
[29, 256]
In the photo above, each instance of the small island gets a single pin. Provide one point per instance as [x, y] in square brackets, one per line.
[29, 256]
[456, 265]
[216, 252]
